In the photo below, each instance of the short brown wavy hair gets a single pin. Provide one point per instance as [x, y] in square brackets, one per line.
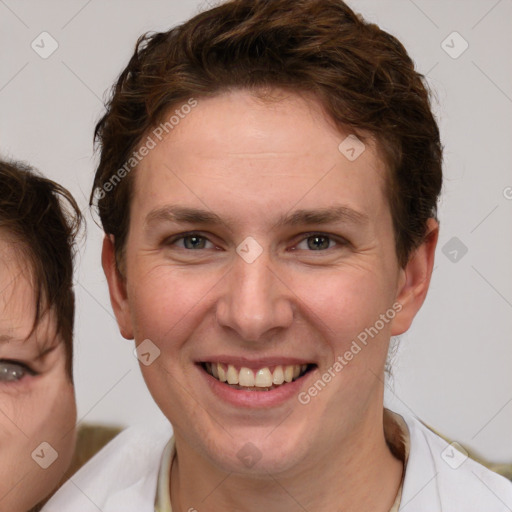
[43, 219]
[363, 77]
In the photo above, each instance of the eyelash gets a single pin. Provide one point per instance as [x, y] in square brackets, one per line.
[27, 371]
[338, 240]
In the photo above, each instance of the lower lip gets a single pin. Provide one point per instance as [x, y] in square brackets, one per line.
[256, 399]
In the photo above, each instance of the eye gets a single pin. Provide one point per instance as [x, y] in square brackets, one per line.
[12, 371]
[318, 242]
[192, 241]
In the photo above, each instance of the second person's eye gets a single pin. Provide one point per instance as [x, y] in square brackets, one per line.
[11, 371]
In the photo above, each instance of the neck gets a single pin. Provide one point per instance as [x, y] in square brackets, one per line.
[360, 474]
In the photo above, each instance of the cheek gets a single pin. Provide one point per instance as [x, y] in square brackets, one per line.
[59, 416]
[344, 300]
[39, 408]
[165, 303]
[45, 414]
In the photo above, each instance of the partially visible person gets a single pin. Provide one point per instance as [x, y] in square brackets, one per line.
[39, 221]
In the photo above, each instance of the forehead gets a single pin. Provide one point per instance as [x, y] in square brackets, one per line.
[266, 152]
[15, 272]
[17, 296]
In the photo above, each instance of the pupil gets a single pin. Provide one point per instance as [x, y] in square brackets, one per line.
[318, 242]
[194, 242]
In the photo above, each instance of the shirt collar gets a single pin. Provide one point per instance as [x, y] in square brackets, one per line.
[163, 497]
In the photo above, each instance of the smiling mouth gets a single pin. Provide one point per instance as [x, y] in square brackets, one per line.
[263, 379]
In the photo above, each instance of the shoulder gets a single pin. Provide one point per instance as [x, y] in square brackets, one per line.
[439, 475]
[122, 476]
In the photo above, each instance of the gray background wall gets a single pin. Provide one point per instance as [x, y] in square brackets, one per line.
[453, 369]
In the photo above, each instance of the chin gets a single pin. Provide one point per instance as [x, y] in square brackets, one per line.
[258, 454]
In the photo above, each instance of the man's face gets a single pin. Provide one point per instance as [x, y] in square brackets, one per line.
[255, 243]
[37, 402]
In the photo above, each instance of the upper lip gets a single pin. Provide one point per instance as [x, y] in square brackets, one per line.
[255, 363]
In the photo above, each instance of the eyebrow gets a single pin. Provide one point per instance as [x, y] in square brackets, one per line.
[181, 214]
[324, 216]
[44, 349]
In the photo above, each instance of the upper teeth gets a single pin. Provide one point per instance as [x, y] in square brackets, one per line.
[262, 378]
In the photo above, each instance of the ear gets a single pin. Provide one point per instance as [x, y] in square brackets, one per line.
[116, 288]
[414, 280]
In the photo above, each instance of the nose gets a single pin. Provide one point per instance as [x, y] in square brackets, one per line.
[254, 303]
